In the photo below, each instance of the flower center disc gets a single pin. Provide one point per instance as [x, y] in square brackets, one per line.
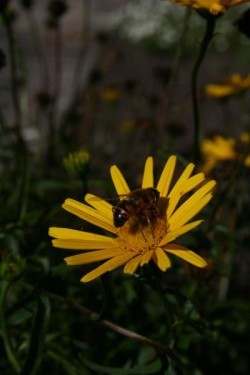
[142, 236]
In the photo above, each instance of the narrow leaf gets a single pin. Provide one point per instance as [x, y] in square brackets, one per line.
[39, 329]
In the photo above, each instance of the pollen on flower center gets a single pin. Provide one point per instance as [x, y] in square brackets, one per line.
[141, 238]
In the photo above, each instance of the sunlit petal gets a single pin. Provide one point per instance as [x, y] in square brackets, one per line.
[99, 204]
[132, 265]
[184, 229]
[110, 265]
[181, 189]
[191, 206]
[185, 254]
[89, 214]
[92, 256]
[66, 233]
[178, 189]
[81, 245]
[119, 181]
[182, 179]
[146, 257]
[148, 177]
[166, 176]
[161, 259]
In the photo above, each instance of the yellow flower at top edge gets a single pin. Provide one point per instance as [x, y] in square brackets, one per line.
[137, 241]
[232, 86]
[214, 7]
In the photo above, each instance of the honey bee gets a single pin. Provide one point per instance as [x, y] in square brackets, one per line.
[140, 203]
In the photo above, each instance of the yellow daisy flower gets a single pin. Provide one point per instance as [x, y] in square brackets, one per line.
[220, 149]
[216, 150]
[214, 7]
[232, 86]
[137, 242]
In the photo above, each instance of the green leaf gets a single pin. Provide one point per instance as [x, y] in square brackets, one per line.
[38, 333]
[152, 368]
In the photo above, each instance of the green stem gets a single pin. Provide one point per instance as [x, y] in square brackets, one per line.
[209, 33]
[5, 334]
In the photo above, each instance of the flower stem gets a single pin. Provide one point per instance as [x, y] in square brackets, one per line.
[208, 35]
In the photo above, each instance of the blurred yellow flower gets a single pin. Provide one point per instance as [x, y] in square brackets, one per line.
[136, 243]
[232, 86]
[221, 149]
[110, 95]
[247, 161]
[245, 137]
[214, 7]
[76, 163]
[127, 127]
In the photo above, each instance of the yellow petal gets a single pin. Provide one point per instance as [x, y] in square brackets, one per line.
[191, 206]
[219, 91]
[92, 256]
[81, 245]
[146, 257]
[171, 236]
[166, 176]
[177, 191]
[132, 265]
[187, 255]
[148, 177]
[66, 233]
[110, 265]
[193, 182]
[89, 214]
[188, 212]
[99, 204]
[79, 240]
[182, 179]
[161, 259]
[119, 182]
[181, 189]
